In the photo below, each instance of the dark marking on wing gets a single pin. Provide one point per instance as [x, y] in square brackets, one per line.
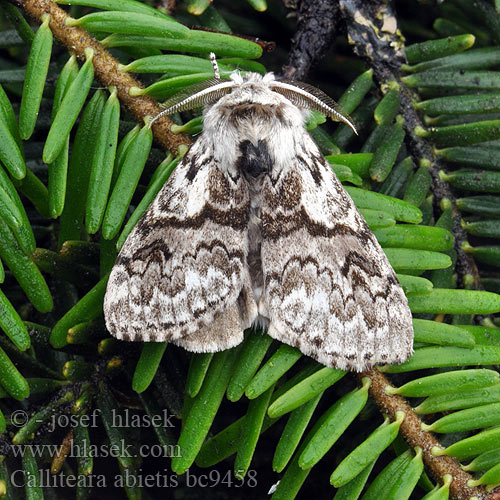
[313, 168]
[193, 169]
[156, 251]
[277, 227]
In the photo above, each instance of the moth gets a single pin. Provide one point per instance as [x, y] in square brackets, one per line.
[253, 227]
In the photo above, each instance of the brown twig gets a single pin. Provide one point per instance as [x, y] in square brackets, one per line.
[415, 436]
[76, 40]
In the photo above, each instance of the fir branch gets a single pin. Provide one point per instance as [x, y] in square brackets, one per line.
[372, 28]
[384, 52]
[415, 436]
[76, 40]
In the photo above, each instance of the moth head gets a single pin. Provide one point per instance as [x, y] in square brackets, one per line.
[208, 92]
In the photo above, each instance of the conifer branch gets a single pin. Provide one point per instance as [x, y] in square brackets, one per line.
[372, 29]
[106, 67]
[413, 434]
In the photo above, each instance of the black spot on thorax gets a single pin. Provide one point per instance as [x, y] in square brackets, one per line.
[254, 159]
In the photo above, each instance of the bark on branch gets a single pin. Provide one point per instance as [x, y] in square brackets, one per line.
[316, 26]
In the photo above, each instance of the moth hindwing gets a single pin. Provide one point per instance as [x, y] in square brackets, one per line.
[254, 227]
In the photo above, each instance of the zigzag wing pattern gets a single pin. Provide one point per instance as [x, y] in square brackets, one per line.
[184, 264]
[328, 287]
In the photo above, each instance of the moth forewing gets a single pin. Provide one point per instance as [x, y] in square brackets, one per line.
[254, 227]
